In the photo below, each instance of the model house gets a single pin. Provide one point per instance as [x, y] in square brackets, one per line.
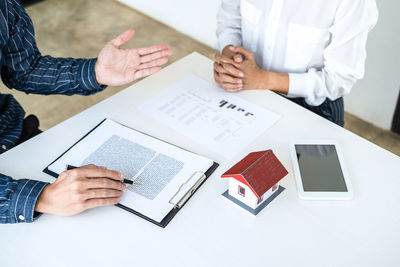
[255, 178]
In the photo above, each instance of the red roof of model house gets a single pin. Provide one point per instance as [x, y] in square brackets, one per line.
[258, 170]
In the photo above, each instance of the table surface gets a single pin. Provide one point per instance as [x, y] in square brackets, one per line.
[210, 230]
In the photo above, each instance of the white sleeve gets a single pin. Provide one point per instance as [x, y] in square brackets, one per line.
[229, 24]
[344, 57]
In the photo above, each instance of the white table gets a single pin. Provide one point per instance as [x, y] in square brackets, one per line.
[210, 230]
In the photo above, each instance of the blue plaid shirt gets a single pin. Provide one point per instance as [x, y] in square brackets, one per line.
[25, 69]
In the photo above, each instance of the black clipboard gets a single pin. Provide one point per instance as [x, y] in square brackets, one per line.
[167, 219]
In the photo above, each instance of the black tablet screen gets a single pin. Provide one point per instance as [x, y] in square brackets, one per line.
[320, 168]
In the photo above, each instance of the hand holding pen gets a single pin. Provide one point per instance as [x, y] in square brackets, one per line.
[125, 181]
[79, 189]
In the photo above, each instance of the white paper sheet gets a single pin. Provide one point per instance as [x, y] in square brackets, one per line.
[159, 167]
[219, 120]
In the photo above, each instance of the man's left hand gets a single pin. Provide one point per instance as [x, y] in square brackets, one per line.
[117, 66]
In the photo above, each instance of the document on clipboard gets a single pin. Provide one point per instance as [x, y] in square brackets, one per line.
[165, 175]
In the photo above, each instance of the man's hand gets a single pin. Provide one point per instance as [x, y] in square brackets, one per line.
[80, 189]
[116, 66]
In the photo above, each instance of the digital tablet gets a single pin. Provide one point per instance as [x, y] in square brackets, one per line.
[320, 170]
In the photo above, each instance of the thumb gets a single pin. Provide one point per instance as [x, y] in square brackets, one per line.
[242, 51]
[123, 38]
[238, 58]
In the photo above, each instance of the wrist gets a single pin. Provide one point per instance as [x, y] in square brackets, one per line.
[97, 71]
[43, 203]
[277, 82]
[89, 75]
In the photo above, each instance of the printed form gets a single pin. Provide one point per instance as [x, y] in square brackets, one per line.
[222, 121]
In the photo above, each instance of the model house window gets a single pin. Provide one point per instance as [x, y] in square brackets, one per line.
[260, 200]
[241, 191]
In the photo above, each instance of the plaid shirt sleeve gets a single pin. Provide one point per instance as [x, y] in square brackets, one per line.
[25, 69]
[18, 199]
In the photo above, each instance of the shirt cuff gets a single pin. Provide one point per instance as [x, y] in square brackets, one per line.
[229, 39]
[87, 76]
[298, 85]
[303, 85]
[23, 200]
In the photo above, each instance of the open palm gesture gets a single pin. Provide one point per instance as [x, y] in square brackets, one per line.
[116, 66]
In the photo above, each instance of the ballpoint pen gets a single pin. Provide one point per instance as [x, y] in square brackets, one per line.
[125, 181]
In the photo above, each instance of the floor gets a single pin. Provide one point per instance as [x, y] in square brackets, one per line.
[80, 28]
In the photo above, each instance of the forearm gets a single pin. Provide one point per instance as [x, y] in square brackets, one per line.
[313, 85]
[18, 199]
[25, 69]
[48, 75]
[258, 78]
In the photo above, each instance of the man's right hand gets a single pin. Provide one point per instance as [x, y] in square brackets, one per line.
[80, 189]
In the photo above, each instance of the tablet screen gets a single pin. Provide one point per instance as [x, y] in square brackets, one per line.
[320, 168]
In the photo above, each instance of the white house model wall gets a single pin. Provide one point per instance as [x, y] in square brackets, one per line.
[249, 197]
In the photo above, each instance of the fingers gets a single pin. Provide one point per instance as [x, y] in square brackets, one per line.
[146, 72]
[216, 77]
[155, 56]
[242, 51]
[232, 87]
[92, 171]
[154, 63]
[103, 193]
[232, 70]
[153, 49]
[227, 65]
[96, 183]
[226, 78]
[228, 69]
[238, 58]
[92, 166]
[223, 81]
[83, 188]
[123, 38]
[99, 202]
[225, 59]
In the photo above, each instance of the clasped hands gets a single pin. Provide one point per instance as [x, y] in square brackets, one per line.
[236, 69]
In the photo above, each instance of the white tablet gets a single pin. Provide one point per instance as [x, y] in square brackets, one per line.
[320, 171]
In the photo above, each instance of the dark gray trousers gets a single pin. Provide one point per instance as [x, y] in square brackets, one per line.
[330, 110]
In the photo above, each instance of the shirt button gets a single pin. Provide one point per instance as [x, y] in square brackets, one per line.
[21, 217]
[4, 147]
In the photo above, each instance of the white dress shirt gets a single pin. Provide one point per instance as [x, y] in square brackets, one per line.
[321, 44]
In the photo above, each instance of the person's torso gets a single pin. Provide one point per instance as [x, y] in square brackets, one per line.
[11, 113]
[4, 32]
[287, 35]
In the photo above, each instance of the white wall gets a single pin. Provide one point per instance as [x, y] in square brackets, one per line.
[196, 18]
[373, 99]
